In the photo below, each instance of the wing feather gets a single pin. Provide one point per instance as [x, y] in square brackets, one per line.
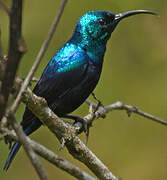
[54, 84]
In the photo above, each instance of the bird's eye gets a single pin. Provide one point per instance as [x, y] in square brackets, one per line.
[102, 22]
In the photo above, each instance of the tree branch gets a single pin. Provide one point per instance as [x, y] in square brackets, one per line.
[40, 55]
[53, 158]
[61, 162]
[102, 111]
[67, 132]
[27, 147]
[16, 50]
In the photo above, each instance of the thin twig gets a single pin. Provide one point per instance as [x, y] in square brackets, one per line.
[16, 50]
[61, 162]
[54, 158]
[121, 106]
[129, 108]
[40, 55]
[27, 147]
[6, 9]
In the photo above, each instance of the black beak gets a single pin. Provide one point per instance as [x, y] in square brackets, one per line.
[123, 15]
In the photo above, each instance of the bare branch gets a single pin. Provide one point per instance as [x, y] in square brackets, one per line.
[16, 50]
[121, 106]
[6, 9]
[53, 158]
[61, 129]
[64, 130]
[129, 108]
[61, 162]
[27, 147]
[40, 55]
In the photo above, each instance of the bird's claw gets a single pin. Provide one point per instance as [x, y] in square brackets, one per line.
[85, 127]
[83, 121]
[8, 140]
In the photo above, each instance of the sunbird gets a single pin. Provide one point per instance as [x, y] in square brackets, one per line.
[74, 71]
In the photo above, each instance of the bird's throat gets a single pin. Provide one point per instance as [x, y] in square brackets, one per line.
[96, 53]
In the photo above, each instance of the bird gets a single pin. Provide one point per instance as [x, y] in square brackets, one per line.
[74, 71]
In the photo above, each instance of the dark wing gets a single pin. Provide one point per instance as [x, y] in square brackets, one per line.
[58, 78]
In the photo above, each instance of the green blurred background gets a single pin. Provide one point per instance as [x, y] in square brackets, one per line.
[134, 71]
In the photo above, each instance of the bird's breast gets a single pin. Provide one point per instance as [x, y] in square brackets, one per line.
[78, 94]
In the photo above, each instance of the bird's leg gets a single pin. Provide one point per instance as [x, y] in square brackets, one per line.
[99, 102]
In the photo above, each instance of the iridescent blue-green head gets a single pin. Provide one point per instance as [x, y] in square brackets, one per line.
[96, 26]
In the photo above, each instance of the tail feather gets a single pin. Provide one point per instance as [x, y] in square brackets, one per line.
[12, 154]
[30, 128]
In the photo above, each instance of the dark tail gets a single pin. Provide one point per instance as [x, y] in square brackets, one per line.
[14, 150]
[28, 129]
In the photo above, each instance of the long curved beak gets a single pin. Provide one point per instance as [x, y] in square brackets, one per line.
[123, 15]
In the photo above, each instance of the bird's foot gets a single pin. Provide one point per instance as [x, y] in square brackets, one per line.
[8, 140]
[85, 127]
[80, 120]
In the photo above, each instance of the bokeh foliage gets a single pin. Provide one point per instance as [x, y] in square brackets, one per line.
[134, 72]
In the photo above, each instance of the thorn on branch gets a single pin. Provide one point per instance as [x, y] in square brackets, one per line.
[62, 144]
[87, 134]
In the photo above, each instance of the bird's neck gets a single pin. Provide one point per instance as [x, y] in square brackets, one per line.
[94, 48]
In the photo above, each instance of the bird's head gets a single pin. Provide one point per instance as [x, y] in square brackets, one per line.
[98, 25]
